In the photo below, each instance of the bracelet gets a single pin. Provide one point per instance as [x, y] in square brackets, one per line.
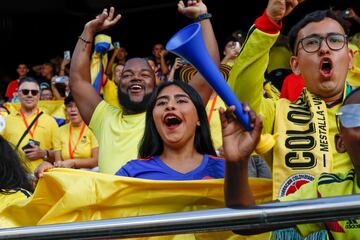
[84, 40]
[46, 157]
[203, 17]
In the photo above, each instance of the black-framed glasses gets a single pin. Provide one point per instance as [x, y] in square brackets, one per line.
[27, 91]
[312, 43]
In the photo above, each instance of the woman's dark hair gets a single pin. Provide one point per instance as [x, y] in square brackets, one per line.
[315, 16]
[152, 144]
[13, 172]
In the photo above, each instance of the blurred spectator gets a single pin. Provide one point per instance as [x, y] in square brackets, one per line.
[46, 94]
[231, 51]
[354, 41]
[64, 67]
[111, 87]
[152, 64]
[354, 73]
[47, 71]
[113, 73]
[162, 64]
[178, 63]
[350, 15]
[279, 62]
[3, 111]
[12, 89]
[60, 87]
[29, 129]
[75, 146]
[117, 58]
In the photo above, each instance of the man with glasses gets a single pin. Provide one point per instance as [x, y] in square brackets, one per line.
[239, 195]
[36, 143]
[306, 128]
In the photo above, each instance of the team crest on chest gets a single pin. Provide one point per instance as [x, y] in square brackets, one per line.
[294, 182]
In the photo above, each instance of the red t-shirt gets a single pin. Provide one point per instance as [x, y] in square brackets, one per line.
[292, 87]
[11, 89]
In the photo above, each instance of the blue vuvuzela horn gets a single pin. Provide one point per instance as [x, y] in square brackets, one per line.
[188, 43]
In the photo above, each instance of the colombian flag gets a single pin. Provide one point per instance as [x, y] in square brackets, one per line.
[54, 108]
[69, 195]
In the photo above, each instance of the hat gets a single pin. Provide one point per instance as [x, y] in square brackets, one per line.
[188, 71]
[44, 85]
[104, 39]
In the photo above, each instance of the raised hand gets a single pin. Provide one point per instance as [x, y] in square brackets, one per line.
[238, 143]
[352, 14]
[43, 167]
[103, 21]
[277, 9]
[193, 9]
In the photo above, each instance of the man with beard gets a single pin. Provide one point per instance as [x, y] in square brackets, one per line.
[120, 131]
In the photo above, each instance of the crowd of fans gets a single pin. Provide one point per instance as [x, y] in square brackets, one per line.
[153, 118]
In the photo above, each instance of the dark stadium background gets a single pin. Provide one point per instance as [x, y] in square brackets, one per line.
[37, 30]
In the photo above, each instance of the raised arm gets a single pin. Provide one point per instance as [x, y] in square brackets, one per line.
[164, 67]
[238, 145]
[109, 68]
[193, 10]
[247, 75]
[85, 96]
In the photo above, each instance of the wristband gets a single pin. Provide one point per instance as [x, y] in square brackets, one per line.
[46, 157]
[203, 17]
[84, 40]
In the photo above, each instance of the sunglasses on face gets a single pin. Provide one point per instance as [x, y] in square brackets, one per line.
[26, 92]
[349, 116]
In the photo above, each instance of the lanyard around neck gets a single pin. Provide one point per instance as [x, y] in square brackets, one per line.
[72, 150]
[212, 108]
[27, 125]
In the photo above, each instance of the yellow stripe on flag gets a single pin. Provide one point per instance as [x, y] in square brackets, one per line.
[68, 195]
[54, 108]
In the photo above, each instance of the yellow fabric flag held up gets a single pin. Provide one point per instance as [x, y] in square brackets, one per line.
[54, 108]
[67, 195]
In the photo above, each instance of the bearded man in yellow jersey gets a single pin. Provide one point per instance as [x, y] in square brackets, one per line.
[36, 143]
[119, 131]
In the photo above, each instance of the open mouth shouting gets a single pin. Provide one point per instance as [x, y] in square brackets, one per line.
[73, 115]
[172, 121]
[136, 88]
[326, 67]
